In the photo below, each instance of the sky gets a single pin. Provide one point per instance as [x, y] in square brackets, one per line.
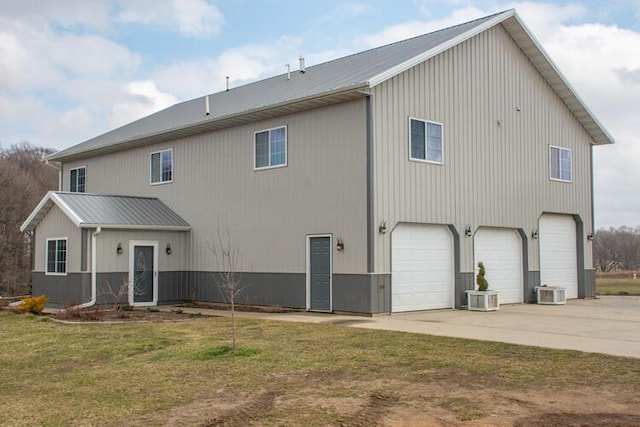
[74, 69]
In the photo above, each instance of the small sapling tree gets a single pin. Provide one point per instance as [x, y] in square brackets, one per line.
[483, 285]
[228, 280]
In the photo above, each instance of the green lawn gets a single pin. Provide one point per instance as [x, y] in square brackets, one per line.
[617, 286]
[287, 373]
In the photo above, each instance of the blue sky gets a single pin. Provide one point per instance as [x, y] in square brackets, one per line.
[73, 69]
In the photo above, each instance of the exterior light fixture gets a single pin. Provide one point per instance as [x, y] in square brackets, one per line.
[168, 249]
[467, 231]
[119, 248]
[382, 228]
[590, 236]
[534, 234]
[339, 244]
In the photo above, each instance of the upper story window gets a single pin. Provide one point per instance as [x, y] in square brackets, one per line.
[77, 179]
[56, 259]
[162, 166]
[560, 164]
[425, 141]
[270, 148]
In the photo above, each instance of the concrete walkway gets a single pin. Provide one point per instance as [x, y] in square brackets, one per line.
[609, 324]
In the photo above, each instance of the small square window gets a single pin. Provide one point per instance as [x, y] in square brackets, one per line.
[162, 166]
[77, 179]
[270, 148]
[425, 141]
[560, 168]
[56, 257]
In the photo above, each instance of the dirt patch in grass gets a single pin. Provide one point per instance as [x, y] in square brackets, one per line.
[406, 404]
[110, 315]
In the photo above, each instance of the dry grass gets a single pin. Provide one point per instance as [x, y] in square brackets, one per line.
[618, 286]
[58, 374]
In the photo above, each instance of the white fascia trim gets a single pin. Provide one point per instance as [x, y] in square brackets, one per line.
[394, 71]
[137, 227]
[26, 225]
[67, 210]
[561, 77]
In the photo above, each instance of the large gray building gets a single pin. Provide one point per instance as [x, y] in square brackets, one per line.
[371, 183]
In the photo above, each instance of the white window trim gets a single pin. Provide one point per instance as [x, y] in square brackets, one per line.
[551, 178]
[85, 177]
[46, 256]
[151, 167]
[286, 148]
[413, 159]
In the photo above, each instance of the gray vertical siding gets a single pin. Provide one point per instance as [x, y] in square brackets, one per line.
[56, 224]
[109, 261]
[590, 283]
[269, 212]
[72, 289]
[530, 289]
[496, 167]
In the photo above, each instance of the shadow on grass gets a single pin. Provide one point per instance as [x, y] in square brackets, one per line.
[226, 351]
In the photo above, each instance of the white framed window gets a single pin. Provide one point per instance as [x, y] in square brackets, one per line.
[77, 179]
[425, 141]
[162, 166]
[270, 148]
[56, 256]
[560, 167]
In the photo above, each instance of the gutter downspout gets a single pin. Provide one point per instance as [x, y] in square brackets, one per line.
[58, 167]
[94, 276]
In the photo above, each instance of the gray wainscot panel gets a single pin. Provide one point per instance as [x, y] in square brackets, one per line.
[530, 290]
[283, 289]
[590, 283]
[466, 281]
[109, 285]
[74, 288]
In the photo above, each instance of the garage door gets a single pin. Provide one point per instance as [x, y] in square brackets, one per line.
[421, 267]
[558, 257]
[500, 249]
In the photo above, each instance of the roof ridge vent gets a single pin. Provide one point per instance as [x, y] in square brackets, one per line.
[302, 69]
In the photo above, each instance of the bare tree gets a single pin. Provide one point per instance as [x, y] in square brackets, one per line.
[123, 290]
[617, 249]
[24, 180]
[228, 280]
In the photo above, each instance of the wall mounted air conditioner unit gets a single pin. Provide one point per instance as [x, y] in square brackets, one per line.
[551, 295]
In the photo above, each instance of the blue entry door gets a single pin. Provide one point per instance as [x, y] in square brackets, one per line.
[320, 273]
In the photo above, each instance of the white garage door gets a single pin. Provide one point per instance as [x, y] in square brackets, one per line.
[500, 249]
[558, 257]
[421, 267]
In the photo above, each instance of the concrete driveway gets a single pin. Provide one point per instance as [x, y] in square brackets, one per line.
[609, 325]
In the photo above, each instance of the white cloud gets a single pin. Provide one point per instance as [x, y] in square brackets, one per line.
[410, 29]
[66, 13]
[141, 99]
[194, 18]
[242, 64]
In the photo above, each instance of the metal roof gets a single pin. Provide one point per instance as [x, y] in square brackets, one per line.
[326, 83]
[106, 211]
